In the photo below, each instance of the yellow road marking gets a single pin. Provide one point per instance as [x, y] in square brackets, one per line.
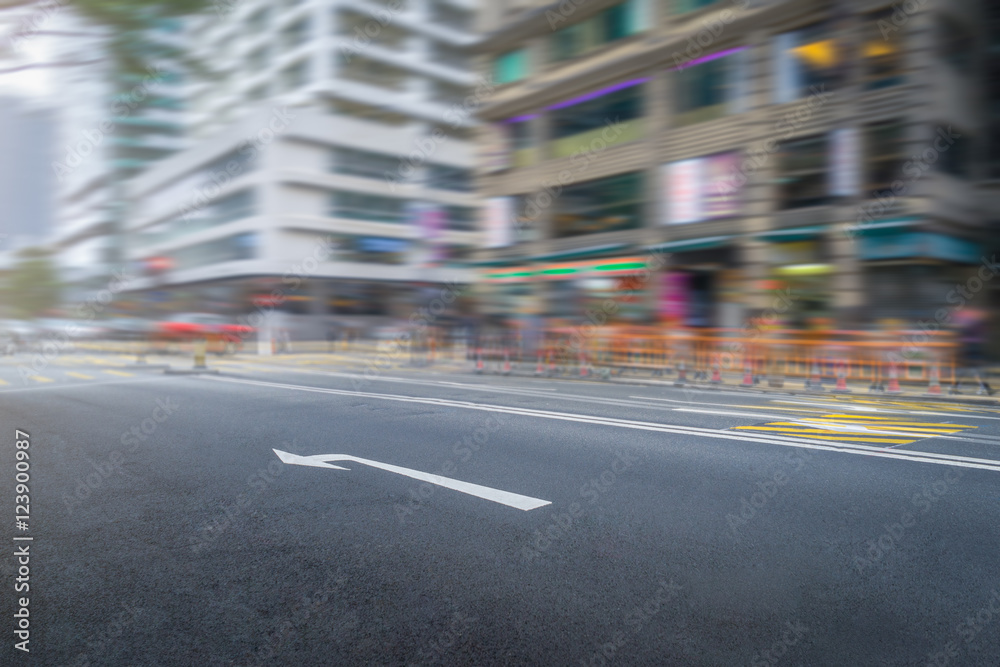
[119, 373]
[41, 378]
[4, 382]
[81, 376]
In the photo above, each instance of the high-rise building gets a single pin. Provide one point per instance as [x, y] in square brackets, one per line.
[821, 156]
[118, 118]
[331, 162]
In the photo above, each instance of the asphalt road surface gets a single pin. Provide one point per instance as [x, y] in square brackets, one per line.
[276, 514]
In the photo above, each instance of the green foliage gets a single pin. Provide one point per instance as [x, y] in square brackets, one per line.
[33, 285]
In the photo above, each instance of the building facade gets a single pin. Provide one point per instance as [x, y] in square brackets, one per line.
[819, 156]
[332, 165]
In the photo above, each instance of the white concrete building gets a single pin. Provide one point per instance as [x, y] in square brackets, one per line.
[332, 162]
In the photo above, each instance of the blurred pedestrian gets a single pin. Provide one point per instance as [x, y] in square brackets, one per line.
[971, 328]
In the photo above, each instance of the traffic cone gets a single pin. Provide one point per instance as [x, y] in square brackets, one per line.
[479, 360]
[540, 368]
[893, 380]
[841, 387]
[934, 388]
[716, 371]
[747, 375]
[584, 369]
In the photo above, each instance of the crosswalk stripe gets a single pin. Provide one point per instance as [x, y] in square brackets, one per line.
[858, 428]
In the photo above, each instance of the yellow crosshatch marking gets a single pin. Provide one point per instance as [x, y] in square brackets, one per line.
[858, 428]
[124, 375]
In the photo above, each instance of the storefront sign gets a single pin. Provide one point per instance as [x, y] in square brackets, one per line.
[702, 188]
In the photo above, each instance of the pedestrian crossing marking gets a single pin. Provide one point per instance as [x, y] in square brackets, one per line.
[41, 378]
[119, 373]
[79, 376]
[858, 428]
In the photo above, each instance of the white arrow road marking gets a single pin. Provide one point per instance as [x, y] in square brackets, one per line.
[742, 436]
[515, 500]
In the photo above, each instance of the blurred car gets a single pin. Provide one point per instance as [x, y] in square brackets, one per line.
[221, 334]
[74, 329]
[17, 336]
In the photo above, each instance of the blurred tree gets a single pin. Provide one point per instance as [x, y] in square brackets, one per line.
[32, 287]
[125, 22]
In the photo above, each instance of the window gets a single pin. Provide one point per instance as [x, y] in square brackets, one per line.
[258, 20]
[805, 59]
[449, 93]
[371, 249]
[603, 205]
[363, 163]
[618, 106]
[374, 208]
[802, 168]
[296, 76]
[882, 51]
[954, 151]
[885, 148]
[296, 34]
[955, 43]
[234, 207]
[464, 218]
[511, 66]
[710, 89]
[373, 73]
[443, 54]
[257, 60]
[443, 13]
[608, 26]
[229, 249]
[441, 177]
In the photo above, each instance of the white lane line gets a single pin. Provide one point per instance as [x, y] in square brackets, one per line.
[77, 385]
[743, 436]
[725, 413]
[515, 500]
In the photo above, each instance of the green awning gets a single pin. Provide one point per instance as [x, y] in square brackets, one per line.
[688, 245]
[792, 234]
